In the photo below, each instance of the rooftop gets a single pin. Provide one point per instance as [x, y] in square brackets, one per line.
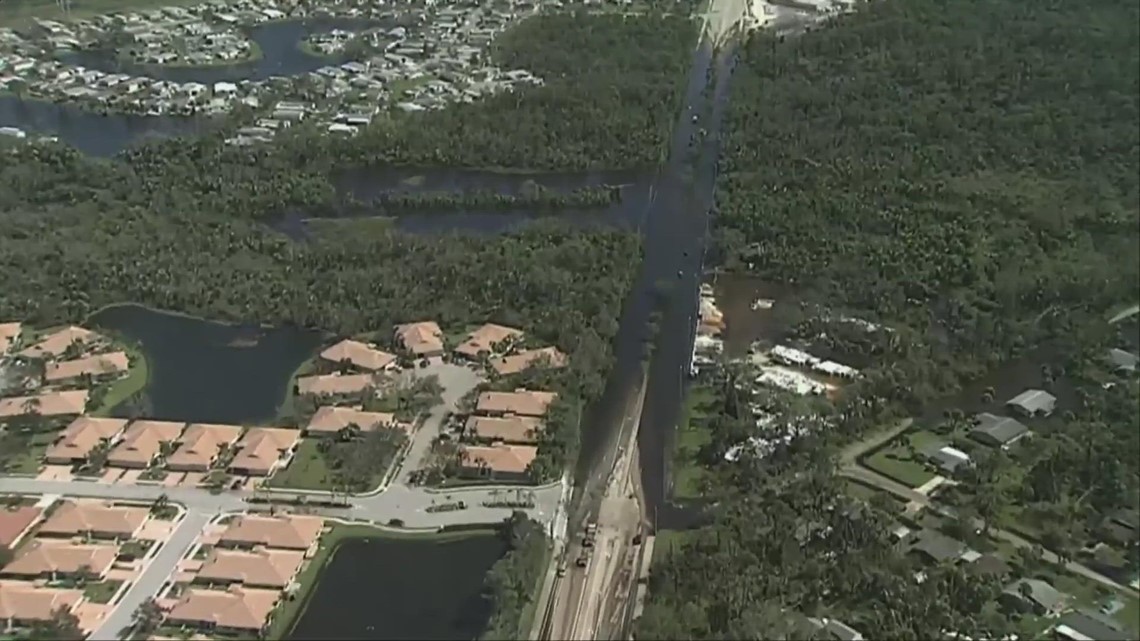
[200, 444]
[484, 339]
[288, 531]
[8, 334]
[522, 402]
[29, 602]
[79, 517]
[83, 435]
[142, 442]
[511, 459]
[507, 429]
[262, 447]
[516, 363]
[938, 547]
[61, 403]
[359, 355]
[56, 343]
[1034, 401]
[96, 365]
[1039, 592]
[997, 429]
[262, 567]
[235, 608]
[331, 384]
[14, 523]
[40, 557]
[420, 338]
[330, 420]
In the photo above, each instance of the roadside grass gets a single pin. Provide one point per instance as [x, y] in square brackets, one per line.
[692, 435]
[101, 591]
[307, 471]
[530, 608]
[669, 541]
[292, 607]
[1129, 615]
[124, 388]
[22, 13]
[896, 462]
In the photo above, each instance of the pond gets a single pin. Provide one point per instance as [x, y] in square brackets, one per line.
[387, 588]
[202, 371]
[280, 55]
[92, 133]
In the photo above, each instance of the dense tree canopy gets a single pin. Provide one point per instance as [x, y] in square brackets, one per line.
[967, 172]
[967, 168]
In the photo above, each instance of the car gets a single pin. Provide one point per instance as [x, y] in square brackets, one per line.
[694, 118]
[561, 569]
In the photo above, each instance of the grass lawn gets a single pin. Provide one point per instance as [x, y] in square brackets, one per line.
[125, 388]
[291, 608]
[894, 461]
[28, 460]
[307, 470]
[1130, 615]
[19, 13]
[101, 591]
[667, 541]
[692, 435]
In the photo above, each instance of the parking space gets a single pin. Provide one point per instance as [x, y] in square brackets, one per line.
[193, 479]
[173, 479]
[55, 473]
[110, 475]
[130, 477]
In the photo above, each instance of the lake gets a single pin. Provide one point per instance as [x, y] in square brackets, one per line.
[202, 371]
[389, 588]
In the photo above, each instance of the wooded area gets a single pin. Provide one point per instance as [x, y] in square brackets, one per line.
[966, 173]
[513, 583]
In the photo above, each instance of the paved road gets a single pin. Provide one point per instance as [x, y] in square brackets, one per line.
[457, 381]
[1128, 313]
[157, 571]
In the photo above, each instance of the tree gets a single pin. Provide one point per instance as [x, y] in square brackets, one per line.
[63, 626]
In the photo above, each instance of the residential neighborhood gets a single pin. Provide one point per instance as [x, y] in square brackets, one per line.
[410, 57]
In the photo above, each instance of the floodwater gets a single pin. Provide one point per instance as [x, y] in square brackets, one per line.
[735, 295]
[367, 184]
[387, 588]
[281, 55]
[201, 371]
[93, 133]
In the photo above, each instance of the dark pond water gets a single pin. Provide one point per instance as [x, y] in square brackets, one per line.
[211, 372]
[735, 294]
[402, 589]
[92, 133]
[281, 55]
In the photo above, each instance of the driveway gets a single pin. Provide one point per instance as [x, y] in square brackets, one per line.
[456, 381]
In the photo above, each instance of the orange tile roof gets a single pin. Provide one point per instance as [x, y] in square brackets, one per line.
[80, 517]
[261, 448]
[286, 531]
[330, 420]
[329, 384]
[522, 402]
[235, 608]
[359, 355]
[59, 403]
[507, 429]
[14, 523]
[516, 363]
[499, 457]
[200, 443]
[96, 365]
[82, 436]
[8, 334]
[424, 337]
[28, 602]
[40, 557]
[263, 568]
[142, 442]
[57, 343]
[484, 339]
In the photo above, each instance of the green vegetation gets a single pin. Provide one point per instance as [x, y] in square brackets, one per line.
[536, 196]
[964, 172]
[903, 460]
[101, 591]
[692, 435]
[350, 462]
[22, 451]
[515, 581]
[124, 388]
